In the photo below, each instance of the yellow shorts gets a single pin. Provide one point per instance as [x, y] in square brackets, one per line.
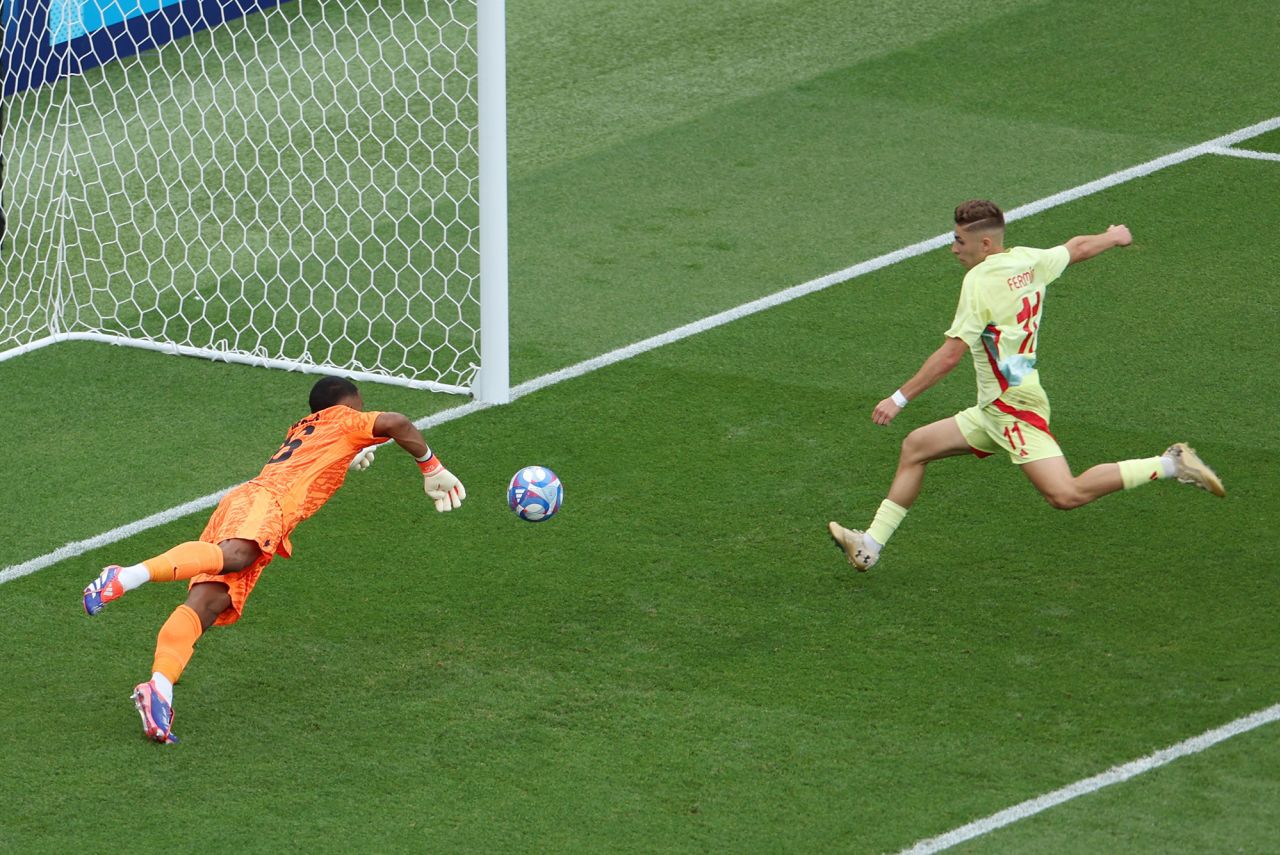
[1017, 421]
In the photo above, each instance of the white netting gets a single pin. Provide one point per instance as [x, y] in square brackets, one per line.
[299, 184]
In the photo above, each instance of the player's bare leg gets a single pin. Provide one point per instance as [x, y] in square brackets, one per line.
[920, 448]
[1053, 478]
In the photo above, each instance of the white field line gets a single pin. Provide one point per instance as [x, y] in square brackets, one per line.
[1246, 153]
[1114, 775]
[79, 547]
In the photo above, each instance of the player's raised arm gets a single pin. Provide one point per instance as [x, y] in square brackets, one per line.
[938, 365]
[441, 486]
[1084, 247]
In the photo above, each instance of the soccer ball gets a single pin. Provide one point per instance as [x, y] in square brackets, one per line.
[535, 494]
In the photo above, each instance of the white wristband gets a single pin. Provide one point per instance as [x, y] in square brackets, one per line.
[899, 398]
[424, 458]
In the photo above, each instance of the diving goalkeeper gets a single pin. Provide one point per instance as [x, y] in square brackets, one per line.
[252, 525]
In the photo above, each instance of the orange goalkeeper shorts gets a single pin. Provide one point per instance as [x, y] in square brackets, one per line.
[248, 512]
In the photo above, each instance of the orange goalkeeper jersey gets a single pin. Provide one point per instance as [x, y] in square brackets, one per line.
[312, 463]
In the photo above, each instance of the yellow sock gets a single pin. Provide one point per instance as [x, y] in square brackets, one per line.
[176, 642]
[1135, 473]
[888, 517]
[184, 561]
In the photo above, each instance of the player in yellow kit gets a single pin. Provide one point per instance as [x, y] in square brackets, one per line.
[253, 523]
[998, 321]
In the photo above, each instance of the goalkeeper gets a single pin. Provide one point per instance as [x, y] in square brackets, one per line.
[252, 524]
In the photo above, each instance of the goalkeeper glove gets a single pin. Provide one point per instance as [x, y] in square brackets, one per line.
[441, 485]
[362, 460]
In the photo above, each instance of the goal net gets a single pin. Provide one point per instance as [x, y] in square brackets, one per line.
[295, 187]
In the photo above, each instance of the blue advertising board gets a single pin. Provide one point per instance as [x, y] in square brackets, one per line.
[45, 40]
[70, 19]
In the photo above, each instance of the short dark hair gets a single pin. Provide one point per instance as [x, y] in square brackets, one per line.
[979, 214]
[329, 391]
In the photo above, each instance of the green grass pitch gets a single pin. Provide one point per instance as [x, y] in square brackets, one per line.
[681, 662]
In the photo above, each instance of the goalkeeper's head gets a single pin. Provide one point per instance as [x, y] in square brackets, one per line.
[979, 232]
[332, 391]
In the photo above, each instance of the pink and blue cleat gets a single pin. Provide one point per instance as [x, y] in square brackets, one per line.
[103, 590]
[156, 712]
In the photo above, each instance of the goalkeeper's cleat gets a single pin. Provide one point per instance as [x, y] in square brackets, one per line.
[1188, 468]
[853, 544]
[103, 590]
[156, 712]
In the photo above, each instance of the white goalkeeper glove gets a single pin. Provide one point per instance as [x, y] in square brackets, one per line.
[441, 485]
[363, 460]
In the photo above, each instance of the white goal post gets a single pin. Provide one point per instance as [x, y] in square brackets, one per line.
[316, 185]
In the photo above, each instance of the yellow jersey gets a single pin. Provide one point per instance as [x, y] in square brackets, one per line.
[999, 313]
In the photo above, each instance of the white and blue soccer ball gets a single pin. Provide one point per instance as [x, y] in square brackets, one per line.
[535, 494]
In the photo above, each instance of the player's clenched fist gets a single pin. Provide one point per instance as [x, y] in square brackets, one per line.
[1120, 234]
[442, 486]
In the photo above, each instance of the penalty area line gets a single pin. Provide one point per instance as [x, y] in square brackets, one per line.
[79, 547]
[1247, 153]
[1114, 775]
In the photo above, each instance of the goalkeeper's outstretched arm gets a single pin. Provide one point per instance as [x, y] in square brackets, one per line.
[441, 486]
[398, 427]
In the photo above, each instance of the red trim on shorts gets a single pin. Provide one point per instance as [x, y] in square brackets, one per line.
[977, 453]
[1034, 419]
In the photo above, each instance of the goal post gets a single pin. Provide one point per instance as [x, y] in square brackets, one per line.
[303, 184]
[493, 384]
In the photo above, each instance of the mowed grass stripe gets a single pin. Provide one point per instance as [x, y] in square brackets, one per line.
[77, 548]
[680, 661]
[796, 179]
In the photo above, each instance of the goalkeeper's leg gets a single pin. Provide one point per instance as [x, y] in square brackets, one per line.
[174, 647]
[182, 562]
[227, 545]
[179, 563]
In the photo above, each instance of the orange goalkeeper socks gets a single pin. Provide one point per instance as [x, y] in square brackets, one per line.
[176, 642]
[184, 561]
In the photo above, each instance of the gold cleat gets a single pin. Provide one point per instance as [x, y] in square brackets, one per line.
[1190, 469]
[851, 543]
